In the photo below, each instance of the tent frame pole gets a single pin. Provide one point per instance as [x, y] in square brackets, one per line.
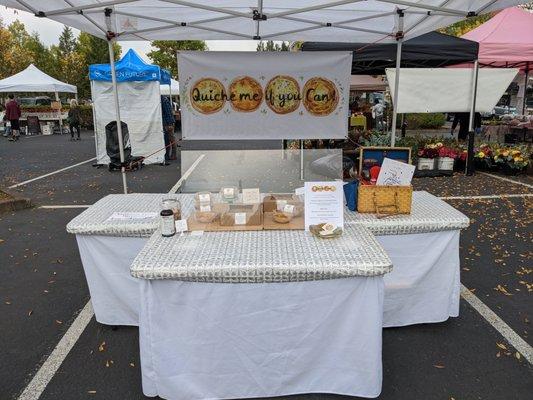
[524, 103]
[469, 168]
[399, 41]
[59, 119]
[111, 51]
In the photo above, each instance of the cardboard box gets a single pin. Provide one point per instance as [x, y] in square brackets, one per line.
[271, 201]
[231, 218]
[297, 223]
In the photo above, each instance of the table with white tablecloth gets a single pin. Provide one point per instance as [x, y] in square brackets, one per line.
[108, 246]
[424, 286]
[260, 314]
[424, 248]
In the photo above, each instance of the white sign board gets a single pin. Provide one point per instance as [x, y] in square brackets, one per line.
[324, 203]
[395, 173]
[264, 95]
[448, 89]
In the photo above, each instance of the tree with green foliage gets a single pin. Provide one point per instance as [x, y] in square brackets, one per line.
[270, 45]
[165, 52]
[67, 41]
[92, 50]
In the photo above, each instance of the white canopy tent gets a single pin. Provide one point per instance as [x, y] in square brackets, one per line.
[171, 90]
[32, 79]
[310, 20]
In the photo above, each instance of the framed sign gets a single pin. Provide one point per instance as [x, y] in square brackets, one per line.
[370, 156]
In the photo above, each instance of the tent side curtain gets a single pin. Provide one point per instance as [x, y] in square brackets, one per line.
[318, 20]
[130, 68]
[432, 49]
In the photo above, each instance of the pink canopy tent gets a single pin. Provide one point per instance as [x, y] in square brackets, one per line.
[506, 41]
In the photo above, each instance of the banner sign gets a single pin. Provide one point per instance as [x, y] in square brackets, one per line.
[264, 95]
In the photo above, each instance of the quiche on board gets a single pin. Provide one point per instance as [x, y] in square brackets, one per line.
[283, 94]
[320, 96]
[208, 95]
[245, 93]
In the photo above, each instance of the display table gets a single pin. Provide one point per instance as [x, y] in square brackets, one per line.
[424, 247]
[108, 247]
[260, 314]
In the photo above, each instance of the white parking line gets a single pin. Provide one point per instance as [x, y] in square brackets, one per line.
[47, 371]
[53, 207]
[50, 173]
[186, 174]
[497, 323]
[506, 179]
[494, 196]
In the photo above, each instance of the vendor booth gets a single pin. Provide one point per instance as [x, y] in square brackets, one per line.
[242, 292]
[139, 93]
[32, 79]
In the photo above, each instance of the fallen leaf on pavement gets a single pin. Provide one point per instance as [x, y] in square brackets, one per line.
[439, 366]
[501, 346]
[101, 347]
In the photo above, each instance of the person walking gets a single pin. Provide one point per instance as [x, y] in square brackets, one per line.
[74, 119]
[13, 114]
[168, 127]
[377, 115]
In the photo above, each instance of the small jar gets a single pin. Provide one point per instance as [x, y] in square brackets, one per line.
[168, 227]
[174, 205]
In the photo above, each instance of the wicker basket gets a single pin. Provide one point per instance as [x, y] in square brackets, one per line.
[384, 200]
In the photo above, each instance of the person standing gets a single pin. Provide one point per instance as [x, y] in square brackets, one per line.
[463, 120]
[168, 127]
[13, 114]
[74, 119]
[377, 114]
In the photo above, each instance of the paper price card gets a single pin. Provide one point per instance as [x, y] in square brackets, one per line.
[324, 203]
[240, 218]
[251, 196]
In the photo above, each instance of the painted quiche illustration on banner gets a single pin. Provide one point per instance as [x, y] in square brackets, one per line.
[283, 94]
[320, 96]
[208, 95]
[245, 93]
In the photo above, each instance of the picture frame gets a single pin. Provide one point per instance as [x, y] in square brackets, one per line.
[374, 155]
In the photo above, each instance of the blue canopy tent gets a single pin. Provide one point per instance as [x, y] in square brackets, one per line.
[138, 85]
[130, 68]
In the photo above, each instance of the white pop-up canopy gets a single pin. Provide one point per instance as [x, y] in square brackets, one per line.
[318, 20]
[171, 90]
[32, 79]
[366, 21]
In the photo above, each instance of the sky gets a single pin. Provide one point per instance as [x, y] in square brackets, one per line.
[49, 32]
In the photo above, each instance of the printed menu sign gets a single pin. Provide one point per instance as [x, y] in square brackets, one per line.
[324, 203]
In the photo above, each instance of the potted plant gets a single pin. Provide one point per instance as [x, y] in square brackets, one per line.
[483, 158]
[511, 160]
[426, 157]
[446, 159]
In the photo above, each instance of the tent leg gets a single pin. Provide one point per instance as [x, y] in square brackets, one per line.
[302, 174]
[524, 104]
[59, 114]
[399, 41]
[117, 113]
[469, 169]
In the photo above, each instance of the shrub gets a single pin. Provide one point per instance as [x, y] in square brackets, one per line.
[424, 121]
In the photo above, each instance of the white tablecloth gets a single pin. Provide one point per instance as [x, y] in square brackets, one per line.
[114, 292]
[424, 285]
[422, 288]
[222, 341]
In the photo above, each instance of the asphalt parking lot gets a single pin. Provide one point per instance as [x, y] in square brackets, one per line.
[43, 288]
